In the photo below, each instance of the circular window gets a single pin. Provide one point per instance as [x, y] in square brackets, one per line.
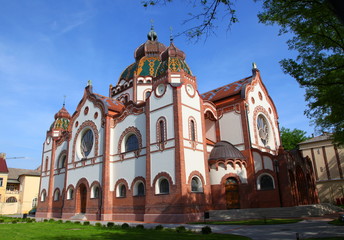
[190, 90]
[160, 90]
[86, 143]
[263, 129]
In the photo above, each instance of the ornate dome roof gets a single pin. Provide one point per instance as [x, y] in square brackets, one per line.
[225, 150]
[173, 59]
[62, 119]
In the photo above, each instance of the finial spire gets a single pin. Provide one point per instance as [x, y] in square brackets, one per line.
[64, 100]
[152, 24]
[171, 34]
[254, 65]
[89, 83]
[152, 36]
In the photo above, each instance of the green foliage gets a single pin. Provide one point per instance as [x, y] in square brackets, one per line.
[206, 230]
[67, 221]
[125, 225]
[14, 221]
[77, 222]
[45, 220]
[98, 224]
[140, 226]
[180, 229]
[51, 220]
[159, 227]
[319, 66]
[110, 224]
[59, 221]
[290, 138]
[86, 223]
[2, 220]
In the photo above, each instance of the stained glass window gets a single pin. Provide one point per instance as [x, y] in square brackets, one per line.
[132, 143]
[86, 143]
[263, 129]
[140, 189]
[164, 186]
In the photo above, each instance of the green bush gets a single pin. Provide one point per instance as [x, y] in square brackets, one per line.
[86, 223]
[59, 221]
[51, 220]
[29, 220]
[45, 220]
[2, 220]
[110, 224]
[67, 221]
[140, 226]
[98, 224]
[77, 222]
[14, 221]
[180, 229]
[159, 227]
[125, 225]
[206, 230]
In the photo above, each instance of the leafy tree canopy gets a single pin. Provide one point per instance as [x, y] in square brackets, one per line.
[290, 138]
[319, 66]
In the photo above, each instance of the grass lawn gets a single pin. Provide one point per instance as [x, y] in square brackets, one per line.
[69, 231]
[252, 222]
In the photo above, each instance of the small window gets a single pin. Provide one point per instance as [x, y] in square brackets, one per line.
[56, 195]
[148, 93]
[140, 81]
[46, 164]
[164, 187]
[1, 182]
[95, 192]
[43, 196]
[192, 130]
[86, 143]
[196, 185]
[62, 161]
[34, 202]
[132, 143]
[266, 182]
[122, 191]
[70, 193]
[263, 129]
[11, 200]
[140, 189]
[162, 130]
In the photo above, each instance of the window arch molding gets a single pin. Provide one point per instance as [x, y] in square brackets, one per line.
[192, 125]
[124, 137]
[119, 186]
[161, 132]
[265, 181]
[11, 200]
[77, 139]
[147, 93]
[157, 180]
[95, 190]
[62, 160]
[136, 187]
[43, 195]
[56, 194]
[70, 192]
[200, 178]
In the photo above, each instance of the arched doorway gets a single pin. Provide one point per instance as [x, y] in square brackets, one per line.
[232, 193]
[82, 198]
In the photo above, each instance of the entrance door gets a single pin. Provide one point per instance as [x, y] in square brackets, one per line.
[232, 193]
[83, 198]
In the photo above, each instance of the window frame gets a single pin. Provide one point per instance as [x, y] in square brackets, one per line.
[259, 179]
[160, 188]
[85, 131]
[199, 184]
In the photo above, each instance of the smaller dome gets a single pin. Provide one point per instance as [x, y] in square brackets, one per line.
[63, 113]
[62, 119]
[225, 150]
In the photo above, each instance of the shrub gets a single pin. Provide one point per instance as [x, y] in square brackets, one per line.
[2, 220]
[206, 230]
[98, 224]
[77, 222]
[29, 220]
[67, 221]
[14, 221]
[33, 219]
[180, 229]
[125, 225]
[51, 220]
[45, 220]
[110, 224]
[140, 226]
[159, 227]
[59, 221]
[86, 223]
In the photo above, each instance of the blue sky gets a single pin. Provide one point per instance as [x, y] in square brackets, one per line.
[51, 48]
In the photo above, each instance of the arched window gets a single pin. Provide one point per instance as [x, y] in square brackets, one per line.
[266, 182]
[192, 130]
[86, 143]
[147, 94]
[162, 130]
[95, 192]
[164, 186]
[139, 189]
[56, 194]
[62, 161]
[196, 185]
[34, 202]
[122, 191]
[46, 164]
[132, 143]
[70, 193]
[43, 196]
[11, 200]
[263, 129]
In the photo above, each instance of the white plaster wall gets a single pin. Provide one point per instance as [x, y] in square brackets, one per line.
[81, 119]
[168, 113]
[91, 173]
[138, 121]
[166, 99]
[59, 181]
[58, 151]
[141, 92]
[127, 91]
[45, 155]
[274, 142]
[128, 170]
[46, 146]
[216, 176]
[257, 161]
[44, 184]
[189, 112]
[210, 130]
[268, 164]
[231, 128]
[186, 99]
[194, 161]
[163, 162]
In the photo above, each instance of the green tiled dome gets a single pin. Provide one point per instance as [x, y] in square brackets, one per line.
[174, 64]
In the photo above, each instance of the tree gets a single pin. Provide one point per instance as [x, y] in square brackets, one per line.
[319, 66]
[290, 139]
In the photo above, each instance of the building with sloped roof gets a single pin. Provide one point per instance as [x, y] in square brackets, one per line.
[19, 188]
[157, 150]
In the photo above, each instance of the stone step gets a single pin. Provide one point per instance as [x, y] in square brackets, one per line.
[79, 216]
